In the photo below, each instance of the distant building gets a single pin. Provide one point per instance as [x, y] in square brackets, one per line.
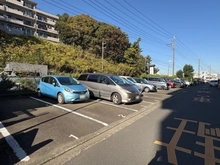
[21, 17]
[206, 76]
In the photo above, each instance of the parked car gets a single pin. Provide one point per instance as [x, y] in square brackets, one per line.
[158, 81]
[179, 83]
[170, 82]
[64, 88]
[146, 86]
[213, 83]
[110, 87]
[187, 83]
[128, 79]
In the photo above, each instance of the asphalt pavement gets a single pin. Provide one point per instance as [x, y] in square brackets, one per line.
[184, 130]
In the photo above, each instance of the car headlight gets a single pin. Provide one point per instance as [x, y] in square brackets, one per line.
[127, 91]
[69, 90]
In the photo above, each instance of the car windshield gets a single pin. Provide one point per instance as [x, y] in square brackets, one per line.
[68, 81]
[120, 81]
[144, 81]
[131, 79]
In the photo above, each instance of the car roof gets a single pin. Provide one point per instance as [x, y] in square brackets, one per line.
[57, 76]
[106, 74]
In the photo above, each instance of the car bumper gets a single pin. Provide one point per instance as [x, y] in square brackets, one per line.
[132, 98]
[73, 97]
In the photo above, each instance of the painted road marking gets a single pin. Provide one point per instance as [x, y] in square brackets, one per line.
[148, 102]
[209, 134]
[130, 109]
[120, 115]
[19, 152]
[201, 99]
[155, 97]
[71, 111]
[73, 136]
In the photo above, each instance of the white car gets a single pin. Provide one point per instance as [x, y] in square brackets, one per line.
[142, 86]
[213, 83]
[187, 83]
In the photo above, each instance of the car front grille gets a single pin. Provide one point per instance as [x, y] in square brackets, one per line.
[80, 92]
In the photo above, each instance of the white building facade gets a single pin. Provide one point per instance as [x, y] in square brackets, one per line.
[21, 17]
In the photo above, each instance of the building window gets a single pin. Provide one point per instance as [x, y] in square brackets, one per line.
[27, 22]
[42, 26]
[28, 5]
[30, 14]
[41, 18]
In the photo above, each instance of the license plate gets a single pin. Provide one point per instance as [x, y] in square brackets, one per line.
[82, 96]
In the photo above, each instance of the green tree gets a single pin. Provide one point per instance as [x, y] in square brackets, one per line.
[179, 74]
[116, 42]
[188, 72]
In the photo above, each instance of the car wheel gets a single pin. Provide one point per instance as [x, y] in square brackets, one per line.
[116, 98]
[39, 94]
[60, 98]
[146, 89]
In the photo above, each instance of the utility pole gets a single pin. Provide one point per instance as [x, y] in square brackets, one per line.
[145, 63]
[103, 49]
[173, 47]
[199, 68]
[168, 70]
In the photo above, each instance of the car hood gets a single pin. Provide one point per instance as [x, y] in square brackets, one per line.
[131, 87]
[78, 87]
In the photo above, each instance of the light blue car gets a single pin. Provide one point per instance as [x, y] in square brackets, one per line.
[63, 88]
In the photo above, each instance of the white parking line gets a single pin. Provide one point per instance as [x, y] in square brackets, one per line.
[155, 97]
[130, 109]
[71, 111]
[19, 152]
[147, 102]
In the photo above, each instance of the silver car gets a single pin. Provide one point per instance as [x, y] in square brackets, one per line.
[158, 81]
[143, 87]
[146, 86]
[110, 87]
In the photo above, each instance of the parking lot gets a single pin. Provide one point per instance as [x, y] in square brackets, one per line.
[43, 129]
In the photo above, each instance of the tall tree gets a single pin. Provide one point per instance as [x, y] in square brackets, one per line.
[179, 74]
[188, 72]
[116, 41]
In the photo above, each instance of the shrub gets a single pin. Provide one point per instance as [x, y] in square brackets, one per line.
[5, 83]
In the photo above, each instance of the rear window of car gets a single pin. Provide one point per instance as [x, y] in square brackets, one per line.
[83, 77]
[93, 78]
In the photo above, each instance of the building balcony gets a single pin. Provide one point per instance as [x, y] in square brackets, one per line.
[17, 12]
[52, 31]
[2, 8]
[52, 39]
[15, 2]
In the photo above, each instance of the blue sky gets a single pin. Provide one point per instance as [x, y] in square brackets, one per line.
[194, 23]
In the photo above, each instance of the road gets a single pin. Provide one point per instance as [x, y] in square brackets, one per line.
[184, 130]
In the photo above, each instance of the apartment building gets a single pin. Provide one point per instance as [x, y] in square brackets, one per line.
[21, 17]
